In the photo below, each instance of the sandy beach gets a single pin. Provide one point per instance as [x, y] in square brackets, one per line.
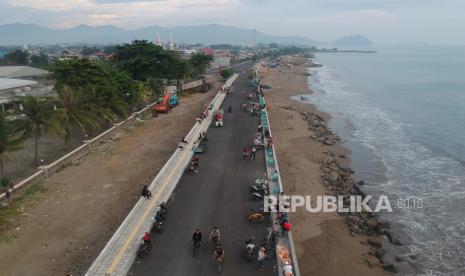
[324, 242]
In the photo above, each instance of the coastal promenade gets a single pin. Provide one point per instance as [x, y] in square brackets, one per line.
[216, 196]
[120, 252]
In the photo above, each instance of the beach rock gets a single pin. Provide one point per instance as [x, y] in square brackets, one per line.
[391, 268]
[374, 243]
[379, 253]
[413, 257]
[392, 239]
[342, 156]
[361, 183]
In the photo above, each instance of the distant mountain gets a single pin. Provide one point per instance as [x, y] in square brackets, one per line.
[19, 34]
[353, 40]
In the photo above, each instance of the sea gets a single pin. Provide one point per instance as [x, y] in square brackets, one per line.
[401, 111]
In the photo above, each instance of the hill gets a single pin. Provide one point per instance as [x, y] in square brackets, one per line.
[19, 34]
[353, 40]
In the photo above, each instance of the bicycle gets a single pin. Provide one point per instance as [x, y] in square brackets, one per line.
[220, 261]
[196, 248]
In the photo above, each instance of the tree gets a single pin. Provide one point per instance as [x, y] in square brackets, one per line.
[200, 63]
[140, 58]
[10, 137]
[144, 60]
[40, 61]
[41, 117]
[80, 73]
[17, 57]
[74, 110]
[226, 73]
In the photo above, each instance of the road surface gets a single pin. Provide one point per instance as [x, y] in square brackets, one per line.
[216, 196]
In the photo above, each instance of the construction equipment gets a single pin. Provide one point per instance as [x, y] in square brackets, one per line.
[163, 105]
[174, 100]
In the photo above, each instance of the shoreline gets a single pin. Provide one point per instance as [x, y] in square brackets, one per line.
[314, 162]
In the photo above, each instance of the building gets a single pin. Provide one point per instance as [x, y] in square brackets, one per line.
[158, 41]
[11, 88]
[21, 72]
[171, 43]
[220, 61]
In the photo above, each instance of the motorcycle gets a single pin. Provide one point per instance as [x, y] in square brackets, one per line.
[258, 189]
[143, 250]
[249, 249]
[157, 226]
[257, 196]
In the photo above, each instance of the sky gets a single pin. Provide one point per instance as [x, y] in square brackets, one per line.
[382, 21]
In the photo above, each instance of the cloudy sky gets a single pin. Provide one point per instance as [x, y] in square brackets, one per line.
[383, 21]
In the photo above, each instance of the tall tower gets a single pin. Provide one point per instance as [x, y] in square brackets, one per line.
[171, 42]
[158, 40]
[254, 43]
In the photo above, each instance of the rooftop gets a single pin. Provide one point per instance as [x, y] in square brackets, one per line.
[13, 83]
[20, 71]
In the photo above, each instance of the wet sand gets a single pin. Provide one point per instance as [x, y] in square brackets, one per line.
[325, 245]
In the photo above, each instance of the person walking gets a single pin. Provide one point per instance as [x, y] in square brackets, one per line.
[245, 153]
[260, 128]
[261, 258]
[253, 152]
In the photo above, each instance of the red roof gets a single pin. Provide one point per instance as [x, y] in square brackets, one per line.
[207, 51]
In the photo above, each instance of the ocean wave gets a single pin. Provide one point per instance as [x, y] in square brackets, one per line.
[412, 169]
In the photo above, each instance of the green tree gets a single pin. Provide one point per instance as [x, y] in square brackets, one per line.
[10, 137]
[80, 73]
[144, 60]
[140, 58]
[200, 63]
[40, 61]
[75, 110]
[41, 117]
[17, 57]
[226, 73]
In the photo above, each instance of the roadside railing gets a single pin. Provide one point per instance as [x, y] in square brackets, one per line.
[47, 170]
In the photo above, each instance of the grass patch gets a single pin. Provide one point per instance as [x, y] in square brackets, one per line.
[10, 214]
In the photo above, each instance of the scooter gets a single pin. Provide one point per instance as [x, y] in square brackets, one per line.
[157, 227]
[258, 188]
[257, 196]
[249, 249]
[143, 250]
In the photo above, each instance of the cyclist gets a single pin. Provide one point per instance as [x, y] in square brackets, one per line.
[147, 240]
[197, 236]
[215, 235]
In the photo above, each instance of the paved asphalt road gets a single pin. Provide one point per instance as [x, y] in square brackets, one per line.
[216, 196]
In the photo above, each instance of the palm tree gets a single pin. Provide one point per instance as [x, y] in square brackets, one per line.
[74, 110]
[41, 117]
[10, 137]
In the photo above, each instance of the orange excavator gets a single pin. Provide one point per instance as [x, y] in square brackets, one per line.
[163, 106]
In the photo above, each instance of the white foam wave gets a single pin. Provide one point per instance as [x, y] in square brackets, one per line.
[413, 169]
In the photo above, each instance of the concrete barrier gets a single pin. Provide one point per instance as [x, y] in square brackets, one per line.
[275, 186]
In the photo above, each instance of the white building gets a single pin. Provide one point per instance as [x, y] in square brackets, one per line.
[220, 61]
[21, 72]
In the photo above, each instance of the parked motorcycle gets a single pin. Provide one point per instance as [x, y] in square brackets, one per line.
[262, 189]
[157, 227]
